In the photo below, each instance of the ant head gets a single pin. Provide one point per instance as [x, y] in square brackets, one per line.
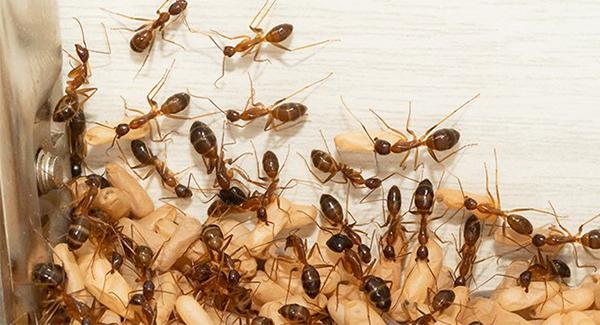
[389, 252]
[177, 7]
[382, 147]
[470, 204]
[538, 240]
[261, 214]
[76, 169]
[228, 51]
[232, 116]
[48, 274]
[183, 191]
[137, 299]
[122, 129]
[372, 183]
[339, 242]
[82, 53]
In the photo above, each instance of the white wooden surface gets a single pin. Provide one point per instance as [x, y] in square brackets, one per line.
[536, 65]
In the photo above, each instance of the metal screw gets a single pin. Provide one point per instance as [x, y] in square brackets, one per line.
[49, 174]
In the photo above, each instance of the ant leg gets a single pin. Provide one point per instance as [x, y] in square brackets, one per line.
[432, 153]
[162, 35]
[255, 27]
[126, 16]
[278, 128]
[256, 59]
[301, 89]
[230, 37]
[145, 60]
[398, 132]
[302, 47]
[447, 117]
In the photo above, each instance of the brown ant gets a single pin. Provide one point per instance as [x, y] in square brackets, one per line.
[468, 251]
[374, 287]
[250, 44]
[333, 212]
[284, 112]
[172, 105]
[589, 240]
[516, 222]
[311, 280]
[69, 104]
[440, 302]
[396, 230]
[440, 140]
[325, 162]
[144, 36]
[145, 157]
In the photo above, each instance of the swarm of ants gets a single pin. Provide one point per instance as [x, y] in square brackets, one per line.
[250, 259]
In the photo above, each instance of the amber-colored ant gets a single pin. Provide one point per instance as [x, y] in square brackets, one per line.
[468, 251]
[172, 105]
[440, 140]
[284, 112]
[69, 104]
[588, 240]
[144, 36]
[251, 44]
[516, 222]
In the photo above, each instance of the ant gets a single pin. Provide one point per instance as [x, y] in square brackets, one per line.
[589, 240]
[325, 162]
[311, 280]
[516, 222]
[284, 112]
[333, 212]
[543, 269]
[374, 287]
[144, 36]
[172, 105]
[468, 251]
[396, 230]
[440, 140]
[440, 302]
[69, 104]
[250, 44]
[146, 158]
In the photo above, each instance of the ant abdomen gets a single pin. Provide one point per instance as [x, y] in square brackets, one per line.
[311, 281]
[378, 292]
[288, 112]
[424, 197]
[339, 243]
[561, 268]
[364, 252]
[183, 191]
[48, 274]
[279, 33]
[141, 152]
[591, 239]
[519, 224]
[175, 104]
[442, 139]
[203, 139]
[261, 320]
[322, 160]
[78, 234]
[141, 40]
[295, 312]
[270, 164]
